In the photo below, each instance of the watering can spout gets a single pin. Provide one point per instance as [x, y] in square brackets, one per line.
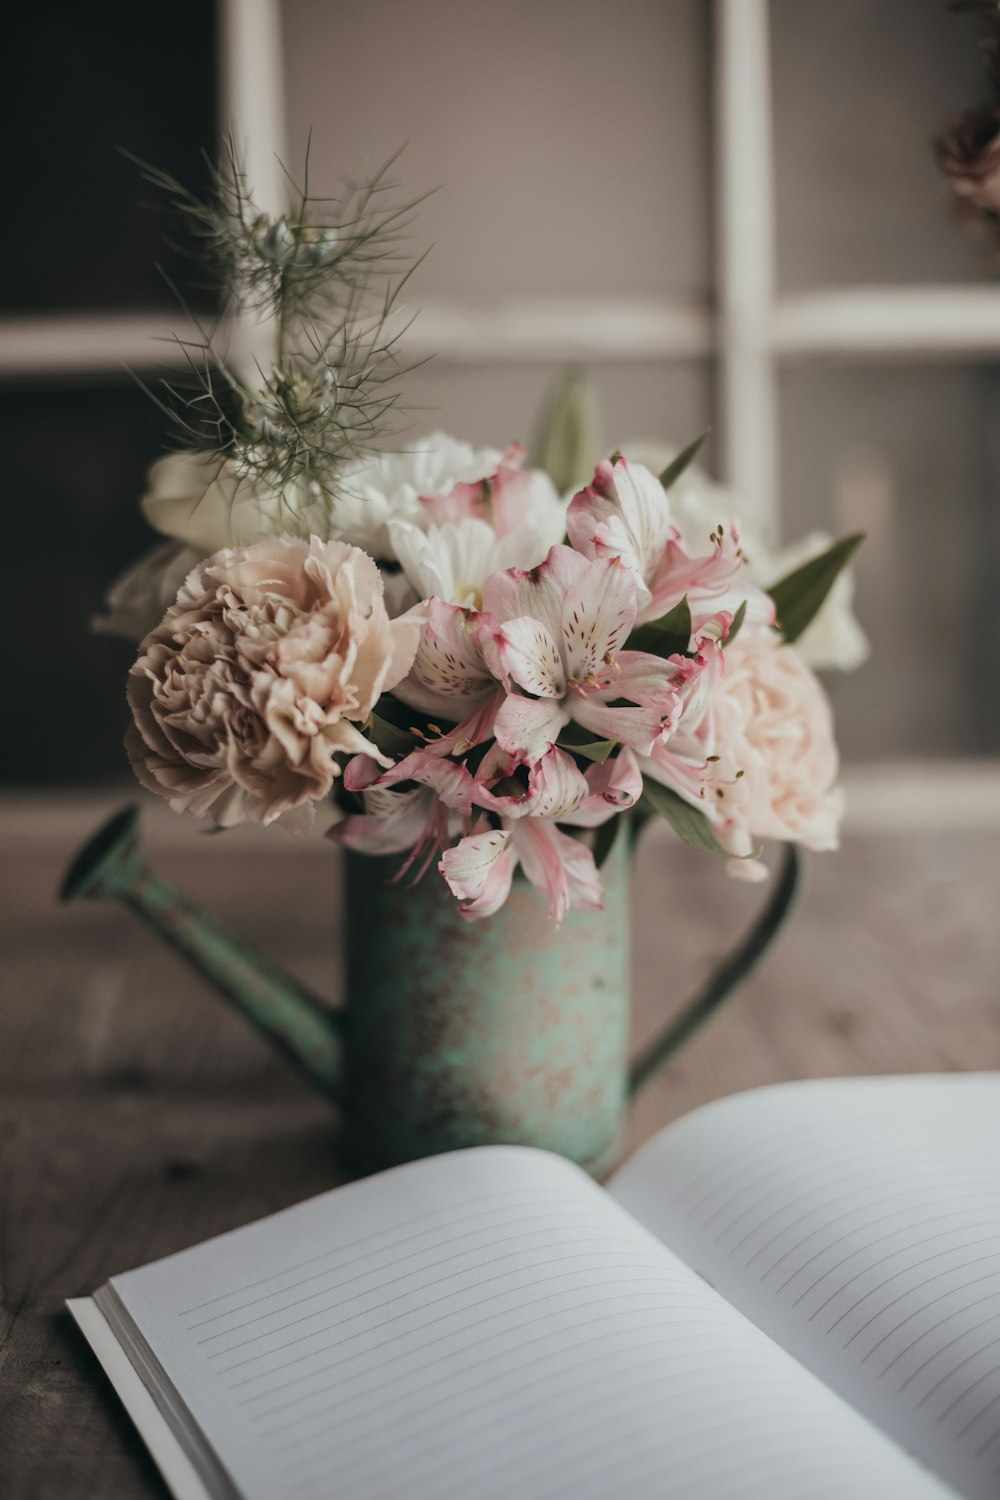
[112, 867]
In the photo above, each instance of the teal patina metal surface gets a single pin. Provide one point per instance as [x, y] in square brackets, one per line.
[465, 1033]
[508, 1030]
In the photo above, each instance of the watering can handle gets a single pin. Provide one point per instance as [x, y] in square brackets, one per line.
[733, 969]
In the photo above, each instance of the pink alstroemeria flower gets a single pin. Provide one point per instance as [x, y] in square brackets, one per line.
[681, 762]
[625, 514]
[557, 788]
[479, 870]
[450, 678]
[559, 635]
[425, 819]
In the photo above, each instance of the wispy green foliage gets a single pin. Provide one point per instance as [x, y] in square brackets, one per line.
[325, 278]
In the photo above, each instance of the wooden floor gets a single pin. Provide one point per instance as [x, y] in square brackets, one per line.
[137, 1115]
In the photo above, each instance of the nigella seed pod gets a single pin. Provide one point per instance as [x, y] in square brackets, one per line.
[289, 401]
[264, 429]
[324, 391]
[274, 240]
[318, 246]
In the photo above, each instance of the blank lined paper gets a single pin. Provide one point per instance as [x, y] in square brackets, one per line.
[487, 1323]
[858, 1223]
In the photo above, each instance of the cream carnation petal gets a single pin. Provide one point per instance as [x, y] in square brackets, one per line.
[258, 676]
[772, 728]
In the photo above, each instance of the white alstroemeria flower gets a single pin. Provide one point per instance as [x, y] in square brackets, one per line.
[835, 638]
[390, 486]
[452, 562]
[205, 502]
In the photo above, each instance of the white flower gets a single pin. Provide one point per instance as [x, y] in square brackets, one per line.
[450, 515]
[137, 600]
[390, 486]
[204, 501]
[834, 638]
[452, 562]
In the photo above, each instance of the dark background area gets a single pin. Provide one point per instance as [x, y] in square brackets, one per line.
[83, 82]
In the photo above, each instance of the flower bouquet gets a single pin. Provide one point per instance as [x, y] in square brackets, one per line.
[476, 671]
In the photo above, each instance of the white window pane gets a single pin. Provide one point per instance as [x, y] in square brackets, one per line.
[904, 455]
[570, 139]
[859, 88]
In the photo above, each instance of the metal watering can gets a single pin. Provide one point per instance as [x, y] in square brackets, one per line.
[454, 1034]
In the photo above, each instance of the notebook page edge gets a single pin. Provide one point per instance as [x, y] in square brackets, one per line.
[173, 1463]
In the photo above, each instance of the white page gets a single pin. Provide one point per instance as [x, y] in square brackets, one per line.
[489, 1324]
[857, 1221]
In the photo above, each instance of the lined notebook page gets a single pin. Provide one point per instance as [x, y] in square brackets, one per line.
[858, 1222]
[489, 1323]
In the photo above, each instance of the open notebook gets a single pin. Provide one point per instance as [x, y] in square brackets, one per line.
[790, 1294]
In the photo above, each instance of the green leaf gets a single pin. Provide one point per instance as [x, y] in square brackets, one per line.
[576, 742]
[398, 729]
[734, 628]
[670, 635]
[604, 841]
[389, 738]
[684, 460]
[688, 822]
[568, 442]
[800, 595]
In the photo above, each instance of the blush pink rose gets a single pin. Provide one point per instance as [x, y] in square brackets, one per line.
[776, 772]
[258, 676]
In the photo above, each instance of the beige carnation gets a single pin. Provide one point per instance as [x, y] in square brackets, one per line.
[258, 676]
[773, 729]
